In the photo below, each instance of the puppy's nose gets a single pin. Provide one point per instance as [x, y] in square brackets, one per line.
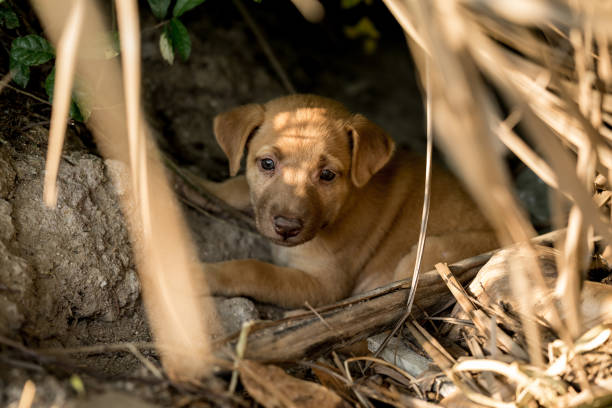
[287, 227]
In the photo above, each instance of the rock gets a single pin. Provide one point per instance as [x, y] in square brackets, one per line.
[400, 354]
[79, 252]
[233, 312]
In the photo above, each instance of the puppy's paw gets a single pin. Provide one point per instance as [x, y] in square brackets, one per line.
[217, 280]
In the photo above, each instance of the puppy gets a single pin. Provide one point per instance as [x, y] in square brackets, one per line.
[341, 208]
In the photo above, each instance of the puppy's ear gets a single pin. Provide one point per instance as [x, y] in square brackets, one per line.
[232, 130]
[372, 149]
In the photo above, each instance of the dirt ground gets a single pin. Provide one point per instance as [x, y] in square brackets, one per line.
[67, 277]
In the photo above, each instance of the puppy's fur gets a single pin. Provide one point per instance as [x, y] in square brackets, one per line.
[334, 235]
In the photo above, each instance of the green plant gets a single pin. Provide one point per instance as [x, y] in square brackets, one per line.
[26, 52]
[363, 29]
[174, 38]
[33, 50]
[8, 18]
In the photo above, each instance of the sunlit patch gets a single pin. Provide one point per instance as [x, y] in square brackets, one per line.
[296, 176]
[280, 120]
[298, 124]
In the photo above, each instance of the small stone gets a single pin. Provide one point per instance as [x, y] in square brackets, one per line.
[399, 354]
[233, 312]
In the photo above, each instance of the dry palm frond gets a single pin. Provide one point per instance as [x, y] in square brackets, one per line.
[550, 63]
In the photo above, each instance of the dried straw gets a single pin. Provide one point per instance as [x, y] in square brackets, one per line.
[164, 254]
[550, 62]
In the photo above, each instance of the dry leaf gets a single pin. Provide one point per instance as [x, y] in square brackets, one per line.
[273, 388]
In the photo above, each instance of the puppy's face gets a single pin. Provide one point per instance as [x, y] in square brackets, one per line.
[305, 156]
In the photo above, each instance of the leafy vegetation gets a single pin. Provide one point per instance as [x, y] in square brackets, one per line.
[174, 38]
[8, 18]
[26, 52]
[33, 50]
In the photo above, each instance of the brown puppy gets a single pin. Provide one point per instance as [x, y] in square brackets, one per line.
[341, 208]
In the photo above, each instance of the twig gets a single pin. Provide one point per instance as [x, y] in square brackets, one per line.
[146, 362]
[313, 310]
[453, 320]
[26, 93]
[5, 80]
[405, 374]
[478, 317]
[97, 349]
[523, 152]
[424, 216]
[205, 201]
[265, 46]
[356, 318]
[21, 364]
[240, 349]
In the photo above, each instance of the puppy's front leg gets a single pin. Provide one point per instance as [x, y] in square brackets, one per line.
[286, 287]
[234, 191]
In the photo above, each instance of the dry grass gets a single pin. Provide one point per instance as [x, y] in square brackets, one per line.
[163, 251]
[550, 63]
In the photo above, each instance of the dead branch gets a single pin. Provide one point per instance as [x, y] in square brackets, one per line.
[194, 195]
[309, 335]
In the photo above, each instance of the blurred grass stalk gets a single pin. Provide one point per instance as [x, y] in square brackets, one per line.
[540, 56]
[164, 254]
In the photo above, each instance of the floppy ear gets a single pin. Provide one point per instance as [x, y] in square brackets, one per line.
[372, 149]
[232, 130]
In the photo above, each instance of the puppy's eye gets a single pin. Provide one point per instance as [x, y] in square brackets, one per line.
[267, 164]
[327, 175]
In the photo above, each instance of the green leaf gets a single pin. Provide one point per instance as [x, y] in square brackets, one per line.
[182, 6]
[77, 384]
[179, 37]
[8, 18]
[76, 110]
[50, 84]
[363, 28]
[31, 50]
[159, 8]
[165, 47]
[115, 45]
[346, 4]
[21, 73]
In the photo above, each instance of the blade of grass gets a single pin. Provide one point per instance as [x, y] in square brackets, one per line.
[65, 62]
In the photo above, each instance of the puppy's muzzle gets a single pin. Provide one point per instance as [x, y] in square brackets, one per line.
[287, 227]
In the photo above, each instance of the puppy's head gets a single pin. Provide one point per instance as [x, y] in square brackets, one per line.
[305, 155]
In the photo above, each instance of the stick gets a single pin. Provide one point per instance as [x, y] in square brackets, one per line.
[196, 196]
[356, 318]
[265, 46]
